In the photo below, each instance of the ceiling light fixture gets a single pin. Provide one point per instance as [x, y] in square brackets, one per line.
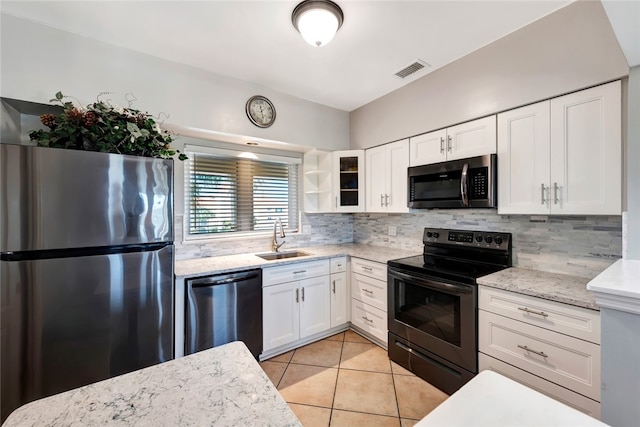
[317, 21]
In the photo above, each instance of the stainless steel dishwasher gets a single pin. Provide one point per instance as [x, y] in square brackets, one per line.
[224, 308]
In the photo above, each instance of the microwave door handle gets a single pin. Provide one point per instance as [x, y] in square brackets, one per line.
[464, 183]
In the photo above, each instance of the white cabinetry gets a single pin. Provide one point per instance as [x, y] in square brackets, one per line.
[386, 177]
[470, 139]
[339, 292]
[552, 347]
[348, 182]
[317, 182]
[562, 156]
[296, 302]
[369, 298]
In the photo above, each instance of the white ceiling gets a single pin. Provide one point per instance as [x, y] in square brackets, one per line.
[254, 41]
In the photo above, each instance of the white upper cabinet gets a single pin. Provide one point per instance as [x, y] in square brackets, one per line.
[348, 181]
[317, 182]
[386, 177]
[562, 156]
[470, 139]
[586, 152]
[523, 160]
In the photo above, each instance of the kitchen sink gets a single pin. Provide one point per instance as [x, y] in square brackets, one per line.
[282, 255]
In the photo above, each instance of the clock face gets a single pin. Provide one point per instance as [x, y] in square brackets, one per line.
[261, 111]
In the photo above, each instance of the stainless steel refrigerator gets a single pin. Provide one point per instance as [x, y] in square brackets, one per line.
[86, 268]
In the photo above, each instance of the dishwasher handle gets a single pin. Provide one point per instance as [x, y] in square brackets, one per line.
[217, 280]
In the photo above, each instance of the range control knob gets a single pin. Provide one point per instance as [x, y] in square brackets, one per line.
[436, 234]
[478, 238]
[488, 239]
[429, 234]
[498, 240]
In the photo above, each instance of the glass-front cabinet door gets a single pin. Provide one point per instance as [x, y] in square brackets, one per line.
[348, 168]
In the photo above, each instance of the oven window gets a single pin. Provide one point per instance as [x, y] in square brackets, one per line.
[439, 186]
[433, 312]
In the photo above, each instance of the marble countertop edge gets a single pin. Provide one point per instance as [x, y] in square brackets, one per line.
[622, 278]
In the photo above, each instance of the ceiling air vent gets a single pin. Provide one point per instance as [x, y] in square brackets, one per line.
[415, 66]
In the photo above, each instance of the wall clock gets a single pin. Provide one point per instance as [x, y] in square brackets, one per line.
[260, 111]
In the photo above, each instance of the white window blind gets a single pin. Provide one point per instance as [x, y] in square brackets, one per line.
[237, 195]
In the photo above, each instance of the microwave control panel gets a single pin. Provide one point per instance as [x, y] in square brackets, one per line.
[479, 184]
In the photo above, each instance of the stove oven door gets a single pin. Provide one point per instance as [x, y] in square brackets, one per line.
[434, 315]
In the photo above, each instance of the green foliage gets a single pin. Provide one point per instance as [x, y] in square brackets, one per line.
[105, 128]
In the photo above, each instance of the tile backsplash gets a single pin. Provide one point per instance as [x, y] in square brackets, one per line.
[317, 229]
[576, 245]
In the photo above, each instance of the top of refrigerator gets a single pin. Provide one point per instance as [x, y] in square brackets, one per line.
[68, 199]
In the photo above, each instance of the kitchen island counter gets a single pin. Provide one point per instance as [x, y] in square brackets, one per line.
[222, 386]
[551, 286]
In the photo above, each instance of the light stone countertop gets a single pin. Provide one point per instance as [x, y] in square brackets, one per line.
[224, 264]
[551, 286]
[618, 287]
[491, 399]
[222, 386]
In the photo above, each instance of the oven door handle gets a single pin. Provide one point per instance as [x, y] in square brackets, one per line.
[457, 289]
[464, 184]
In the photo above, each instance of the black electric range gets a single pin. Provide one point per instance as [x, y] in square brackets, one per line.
[432, 303]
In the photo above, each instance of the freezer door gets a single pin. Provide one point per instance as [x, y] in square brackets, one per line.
[53, 198]
[68, 322]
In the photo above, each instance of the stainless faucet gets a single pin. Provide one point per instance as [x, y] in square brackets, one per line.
[274, 242]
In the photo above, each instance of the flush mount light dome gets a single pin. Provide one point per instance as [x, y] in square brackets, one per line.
[317, 21]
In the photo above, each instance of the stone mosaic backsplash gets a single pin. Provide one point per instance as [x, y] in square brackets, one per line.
[316, 229]
[575, 245]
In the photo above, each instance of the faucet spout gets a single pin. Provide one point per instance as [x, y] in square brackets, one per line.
[274, 241]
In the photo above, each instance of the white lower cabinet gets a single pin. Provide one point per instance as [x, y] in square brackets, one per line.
[296, 308]
[339, 292]
[552, 347]
[369, 298]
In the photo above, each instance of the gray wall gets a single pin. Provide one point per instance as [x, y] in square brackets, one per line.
[579, 246]
[632, 231]
[568, 50]
[620, 368]
[37, 61]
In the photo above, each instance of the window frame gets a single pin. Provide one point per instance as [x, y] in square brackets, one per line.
[272, 156]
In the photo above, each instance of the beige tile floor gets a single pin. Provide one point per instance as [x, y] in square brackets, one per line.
[345, 380]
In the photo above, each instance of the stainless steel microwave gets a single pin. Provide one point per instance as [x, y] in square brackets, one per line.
[464, 183]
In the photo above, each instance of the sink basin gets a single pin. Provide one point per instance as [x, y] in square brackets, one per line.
[282, 255]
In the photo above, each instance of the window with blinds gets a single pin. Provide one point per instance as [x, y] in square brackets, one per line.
[238, 195]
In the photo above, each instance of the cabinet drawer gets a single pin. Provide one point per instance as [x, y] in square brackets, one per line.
[369, 268]
[561, 394]
[296, 271]
[567, 319]
[561, 359]
[338, 265]
[369, 291]
[369, 319]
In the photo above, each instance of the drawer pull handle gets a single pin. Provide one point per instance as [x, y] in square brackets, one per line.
[299, 271]
[539, 353]
[539, 313]
[367, 319]
[367, 291]
[364, 267]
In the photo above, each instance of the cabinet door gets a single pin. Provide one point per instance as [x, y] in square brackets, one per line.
[339, 299]
[281, 318]
[397, 164]
[586, 146]
[428, 148]
[315, 306]
[523, 160]
[475, 138]
[348, 182]
[376, 177]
